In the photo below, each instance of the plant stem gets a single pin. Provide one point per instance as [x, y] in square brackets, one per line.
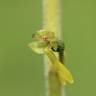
[61, 57]
[51, 22]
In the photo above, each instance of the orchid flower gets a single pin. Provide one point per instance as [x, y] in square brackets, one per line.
[44, 41]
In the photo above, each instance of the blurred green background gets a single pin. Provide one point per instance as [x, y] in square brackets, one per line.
[21, 70]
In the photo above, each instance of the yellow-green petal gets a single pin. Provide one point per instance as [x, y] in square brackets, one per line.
[38, 46]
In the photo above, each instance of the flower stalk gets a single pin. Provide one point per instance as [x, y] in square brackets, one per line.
[47, 42]
[51, 21]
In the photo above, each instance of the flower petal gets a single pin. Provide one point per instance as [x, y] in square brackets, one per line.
[38, 46]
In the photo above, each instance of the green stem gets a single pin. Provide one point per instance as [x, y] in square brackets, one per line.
[51, 22]
[54, 84]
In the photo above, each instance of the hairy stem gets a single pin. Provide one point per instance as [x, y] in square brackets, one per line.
[51, 22]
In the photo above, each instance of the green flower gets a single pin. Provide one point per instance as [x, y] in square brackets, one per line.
[46, 44]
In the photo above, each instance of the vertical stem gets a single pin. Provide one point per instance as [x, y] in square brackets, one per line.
[51, 22]
[61, 57]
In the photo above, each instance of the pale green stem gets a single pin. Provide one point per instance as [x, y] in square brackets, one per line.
[51, 22]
